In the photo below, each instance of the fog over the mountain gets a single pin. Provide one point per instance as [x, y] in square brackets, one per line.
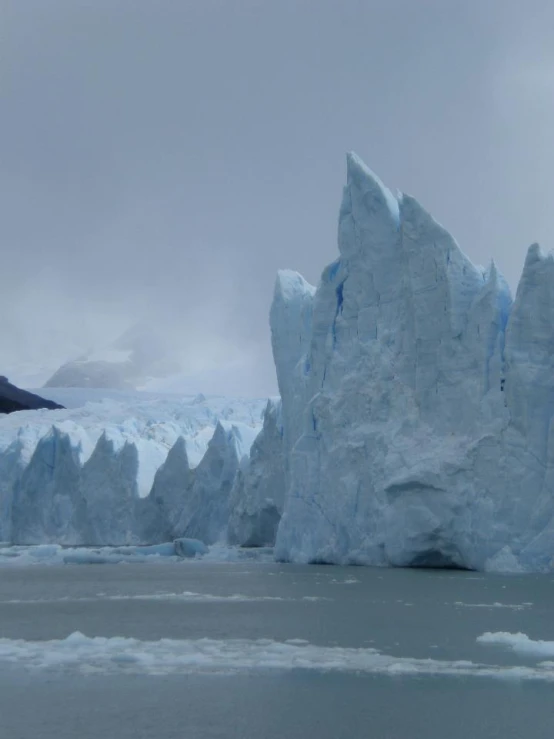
[163, 159]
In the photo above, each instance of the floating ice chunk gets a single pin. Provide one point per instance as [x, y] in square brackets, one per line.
[189, 547]
[519, 643]
[510, 606]
[51, 554]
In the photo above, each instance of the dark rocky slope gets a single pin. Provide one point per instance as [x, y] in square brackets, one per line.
[14, 399]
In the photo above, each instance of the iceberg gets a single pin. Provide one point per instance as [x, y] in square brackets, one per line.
[417, 398]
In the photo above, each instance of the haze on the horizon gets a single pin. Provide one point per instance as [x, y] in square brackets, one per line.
[164, 159]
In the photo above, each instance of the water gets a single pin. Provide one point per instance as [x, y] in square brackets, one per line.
[273, 689]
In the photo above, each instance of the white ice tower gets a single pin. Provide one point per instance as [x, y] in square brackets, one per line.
[417, 400]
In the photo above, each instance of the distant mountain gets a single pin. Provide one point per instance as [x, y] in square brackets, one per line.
[134, 358]
[14, 399]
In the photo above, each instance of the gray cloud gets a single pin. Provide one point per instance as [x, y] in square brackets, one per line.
[166, 158]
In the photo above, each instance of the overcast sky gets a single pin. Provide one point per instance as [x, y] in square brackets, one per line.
[165, 158]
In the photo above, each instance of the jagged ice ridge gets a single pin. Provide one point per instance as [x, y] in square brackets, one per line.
[127, 471]
[417, 398]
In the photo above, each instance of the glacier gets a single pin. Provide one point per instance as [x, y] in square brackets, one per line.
[417, 396]
[413, 428]
[123, 469]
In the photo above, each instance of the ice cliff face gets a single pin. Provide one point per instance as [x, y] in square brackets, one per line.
[417, 399]
[205, 506]
[257, 498]
[129, 471]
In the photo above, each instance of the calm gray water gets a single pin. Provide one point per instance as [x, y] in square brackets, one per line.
[409, 614]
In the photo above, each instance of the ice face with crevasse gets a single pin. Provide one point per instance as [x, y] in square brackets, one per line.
[417, 398]
[257, 497]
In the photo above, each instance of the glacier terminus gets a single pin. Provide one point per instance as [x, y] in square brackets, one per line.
[417, 396]
[414, 426]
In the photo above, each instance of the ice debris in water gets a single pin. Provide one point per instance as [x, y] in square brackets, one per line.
[88, 655]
